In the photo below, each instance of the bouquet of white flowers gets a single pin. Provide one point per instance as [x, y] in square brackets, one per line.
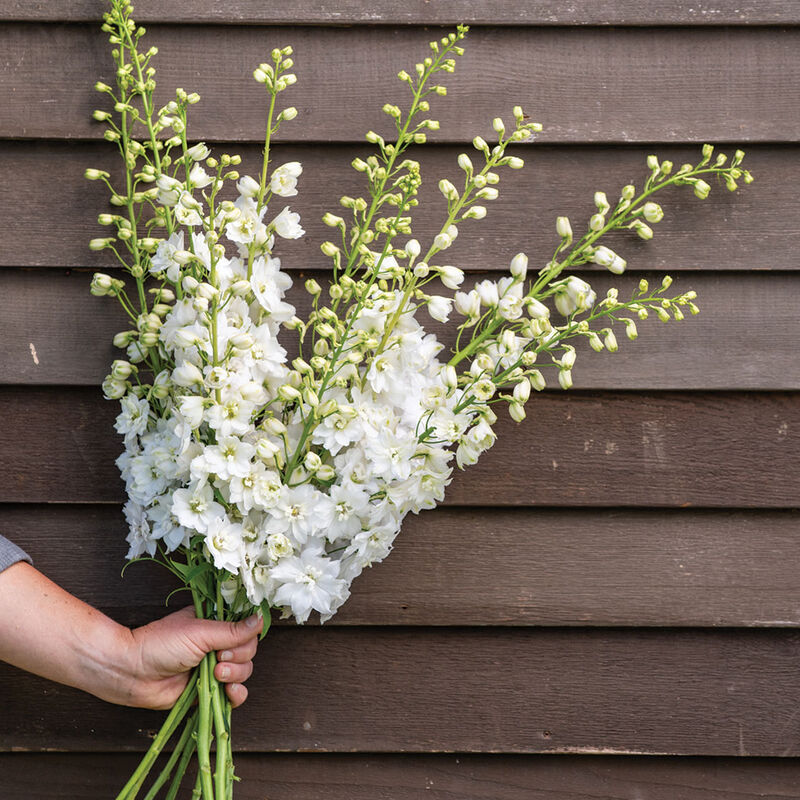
[268, 483]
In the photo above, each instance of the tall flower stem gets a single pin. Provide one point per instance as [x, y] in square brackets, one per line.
[184, 743]
[173, 720]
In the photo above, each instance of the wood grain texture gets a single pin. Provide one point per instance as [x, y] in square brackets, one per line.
[582, 449]
[50, 222]
[488, 566]
[582, 84]
[55, 332]
[53, 776]
[522, 690]
[386, 12]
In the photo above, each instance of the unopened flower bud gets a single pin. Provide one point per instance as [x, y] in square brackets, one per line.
[448, 190]
[242, 341]
[701, 189]
[563, 228]
[187, 374]
[519, 266]
[480, 144]
[101, 284]
[499, 127]
[120, 370]
[442, 241]
[266, 450]
[609, 259]
[652, 212]
[522, 391]
[312, 462]
[565, 378]
[516, 411]
[610, 342]
[312, 287]
[100, 244]
[515, 162]
[288, 113]
[597, 222]
[114, 389]
[476, 212]
[595, 342]
[288, 393]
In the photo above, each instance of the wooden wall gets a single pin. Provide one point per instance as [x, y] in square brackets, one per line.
[607, 605]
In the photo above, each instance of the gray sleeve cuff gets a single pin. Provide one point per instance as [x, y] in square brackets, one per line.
[10, 554]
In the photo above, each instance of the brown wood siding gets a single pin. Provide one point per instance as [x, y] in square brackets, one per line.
[385, 12]
[618, 576]
[620, 84]
[49, 223]
[490, 566]
[434, 777]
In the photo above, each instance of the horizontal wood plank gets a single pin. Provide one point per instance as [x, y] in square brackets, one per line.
[55, 332]
[53, 776]
[582, 84]
[471, 690]
[577, 448]
[357, 12]
[49, 222]
[488, 566]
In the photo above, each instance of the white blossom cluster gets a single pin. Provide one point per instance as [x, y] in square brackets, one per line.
[202, 458]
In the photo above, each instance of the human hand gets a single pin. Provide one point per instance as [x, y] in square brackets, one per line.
[162, 654]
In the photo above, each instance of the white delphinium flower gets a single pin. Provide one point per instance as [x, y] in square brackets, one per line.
[248, 226]
[224, 541]
[188, 210]
[279, 546]
[309, 582]
[300, 513]
[574, 295]
[390, 453]
[191, 409]
[166, 527]
[351, 509]
[248, 186]
[338, 430]
[194, 507]
[132, 421]
[163, 260]
[199, 178]
[139, 537]
[231, 416]
[269, 285]
[260, 488]
[287, 224]
[284, 179]
[439, 307]
[230, 458]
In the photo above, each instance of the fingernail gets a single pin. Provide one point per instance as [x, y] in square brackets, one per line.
[253, 622]
[224, 672]
[225, 655]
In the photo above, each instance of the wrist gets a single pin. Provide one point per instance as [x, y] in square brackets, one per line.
[109, 660]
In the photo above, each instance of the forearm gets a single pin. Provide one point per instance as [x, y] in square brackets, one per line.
[45, 630]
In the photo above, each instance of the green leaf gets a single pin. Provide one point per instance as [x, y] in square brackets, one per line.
[266, 613]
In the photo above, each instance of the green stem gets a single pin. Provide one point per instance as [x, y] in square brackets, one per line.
[222, 734]
[204, 733]
[178, 712]
[180, 749]
[184, 763]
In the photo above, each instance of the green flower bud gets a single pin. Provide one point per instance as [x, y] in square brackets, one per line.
[652, 212]
[701, 189]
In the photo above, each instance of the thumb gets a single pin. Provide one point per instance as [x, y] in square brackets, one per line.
[210, 634]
